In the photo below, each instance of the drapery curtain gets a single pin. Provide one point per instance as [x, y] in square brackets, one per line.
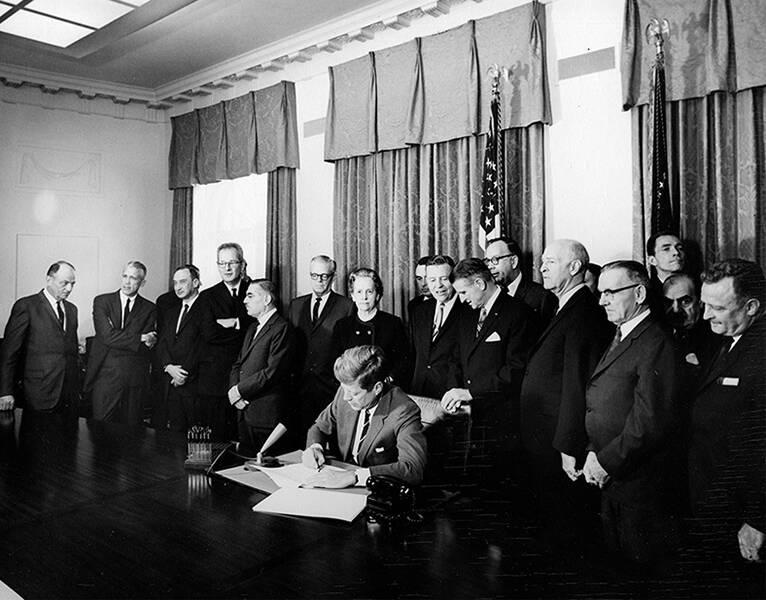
[181, 229]
[281, 224]
[402, 127]
[716, 76]
[395, 206]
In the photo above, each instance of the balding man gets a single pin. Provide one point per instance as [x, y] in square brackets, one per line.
[118, 366]
[553, 395]
[42, 332]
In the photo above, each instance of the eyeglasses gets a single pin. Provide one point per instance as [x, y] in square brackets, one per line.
[607, 294]
[494, 260]
[321, 276]
[231, 263]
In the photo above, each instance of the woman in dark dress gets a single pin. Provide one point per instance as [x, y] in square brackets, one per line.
[371, 326]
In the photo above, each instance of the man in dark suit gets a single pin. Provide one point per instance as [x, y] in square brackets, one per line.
[117, 376]
[503, 258]
[726, 460]
[370, 422]
[41, 336]
[494, 341]
[178, 347]
[224, 323]
[421, 286]
[313, 317]
[553, 397]
[434, 331]
[260, 375]
[632, 408]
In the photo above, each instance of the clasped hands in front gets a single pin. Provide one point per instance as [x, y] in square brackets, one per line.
[592, 470]
[149, 339]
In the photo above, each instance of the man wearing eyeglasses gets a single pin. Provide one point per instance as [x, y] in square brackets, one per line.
[313, 317]
[224, 321]
[503, 258]
[632, 405]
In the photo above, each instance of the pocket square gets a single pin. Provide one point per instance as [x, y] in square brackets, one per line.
[494, 337]
[692, 359]
[729, 381]
[379, 450]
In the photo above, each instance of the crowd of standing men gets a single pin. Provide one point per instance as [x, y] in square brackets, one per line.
[632, 398]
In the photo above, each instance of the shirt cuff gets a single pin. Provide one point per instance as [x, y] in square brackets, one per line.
[361, 477]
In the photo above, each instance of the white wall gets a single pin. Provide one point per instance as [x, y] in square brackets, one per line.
[80, 182]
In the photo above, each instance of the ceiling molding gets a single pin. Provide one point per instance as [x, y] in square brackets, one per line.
[331, 36]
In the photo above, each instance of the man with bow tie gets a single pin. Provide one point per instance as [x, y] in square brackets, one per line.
[260, 377]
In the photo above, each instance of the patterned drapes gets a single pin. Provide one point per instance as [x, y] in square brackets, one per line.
[281, 245]
[435, 88]
[181, 229]
[254, 133]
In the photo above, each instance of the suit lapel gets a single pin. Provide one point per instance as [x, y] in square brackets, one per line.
[52, 313]
[376, 425]
[489, 322]
[260, 333]
[622, 347]
[327, 308]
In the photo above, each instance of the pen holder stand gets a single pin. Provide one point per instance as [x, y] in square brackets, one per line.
[199, 452]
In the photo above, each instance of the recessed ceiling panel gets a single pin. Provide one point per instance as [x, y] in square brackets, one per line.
[93, 13]
[43, 29]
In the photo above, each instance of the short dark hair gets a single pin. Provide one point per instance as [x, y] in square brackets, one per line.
[54, 268]
[366, 272]
[471, 268]
[510, 243]
[137, 264]
[747, 278]
[651, 243]
[268, 286]
[193, 271]
[441, 259]
[635, 271]
[594, 268]
[366, 364]
[673, 278]
[423, 261]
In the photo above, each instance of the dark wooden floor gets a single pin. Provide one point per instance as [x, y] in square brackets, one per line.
[94, 510]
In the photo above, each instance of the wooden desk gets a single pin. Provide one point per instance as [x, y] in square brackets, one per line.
[99, 510]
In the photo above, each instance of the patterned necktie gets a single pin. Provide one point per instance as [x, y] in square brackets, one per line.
[183, 316]
[365, 428]
[60, 312]
[438, 322]
[315, 310]
[480, 324]
[126, 313]
[615, 341]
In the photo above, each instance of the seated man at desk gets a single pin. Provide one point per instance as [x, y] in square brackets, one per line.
[373, 424]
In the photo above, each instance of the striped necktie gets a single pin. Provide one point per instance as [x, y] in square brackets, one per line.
[480, 323]
[438, 322]
[365, 428]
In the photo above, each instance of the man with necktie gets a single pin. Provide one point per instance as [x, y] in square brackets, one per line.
[631, 414]
[117, 376]
[313, 317]
[178, 348]
[370, 423]
[224, 323]
[40, 346]
[260, 376]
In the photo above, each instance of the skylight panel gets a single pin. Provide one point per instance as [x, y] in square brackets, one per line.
[93, 13]
[43, 29]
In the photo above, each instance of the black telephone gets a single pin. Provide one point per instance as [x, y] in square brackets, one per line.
[390, 501]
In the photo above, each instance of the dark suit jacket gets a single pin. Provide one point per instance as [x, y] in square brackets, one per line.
[560, 363]
[434, 359]
[492, 364]
[540, 300]
[121, 346]
[386, 330]
[182, 348]
[632, 404]
[49, 355]
[415, 302]
[220, 344]
[727, 399]
[314, 353]
[394, 444]
[261, 373]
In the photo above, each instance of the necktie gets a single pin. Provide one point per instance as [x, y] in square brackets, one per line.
[315, 310]
[234, 293]
[365, 427]
[126, 313]
[722, 351]
[438, 321]
[255, 331]
[615, 341]
[183, 316]
[60, 312]
[480, 324]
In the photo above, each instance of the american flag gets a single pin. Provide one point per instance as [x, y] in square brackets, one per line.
[490, 225]
[662, 212]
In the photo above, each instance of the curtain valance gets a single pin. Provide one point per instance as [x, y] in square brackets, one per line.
[714, 45]
[253, 133]
[436, 88]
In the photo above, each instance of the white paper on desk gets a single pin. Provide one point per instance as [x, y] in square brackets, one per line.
[291, 476]
[302, 502]
[253, 479]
